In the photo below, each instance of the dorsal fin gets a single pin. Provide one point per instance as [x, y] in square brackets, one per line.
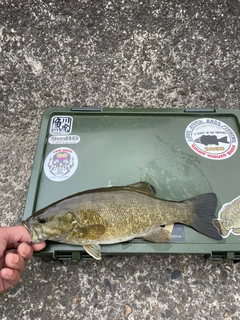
[143, 187]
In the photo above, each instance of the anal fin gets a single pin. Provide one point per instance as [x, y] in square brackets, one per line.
[169, 227]
[158, 235]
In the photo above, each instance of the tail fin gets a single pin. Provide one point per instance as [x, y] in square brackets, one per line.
[204, 207]
[224, 140]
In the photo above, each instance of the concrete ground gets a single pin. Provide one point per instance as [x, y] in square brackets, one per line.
[151, 54]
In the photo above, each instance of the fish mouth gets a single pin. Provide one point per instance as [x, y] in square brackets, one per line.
[33, 233]
[27, 226]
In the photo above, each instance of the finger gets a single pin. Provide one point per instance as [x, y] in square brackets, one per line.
[39, 246]
[16, 234]
[25, 250]
[11, 235]
[14, 261]
[12, 277]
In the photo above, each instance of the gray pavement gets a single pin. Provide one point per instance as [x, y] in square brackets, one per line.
[151, 54]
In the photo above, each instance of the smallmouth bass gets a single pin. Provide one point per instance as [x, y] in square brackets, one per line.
[118, 214]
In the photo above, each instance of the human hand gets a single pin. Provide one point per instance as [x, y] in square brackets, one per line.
[14, 251]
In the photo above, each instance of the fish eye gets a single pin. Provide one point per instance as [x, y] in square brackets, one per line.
[42, 220]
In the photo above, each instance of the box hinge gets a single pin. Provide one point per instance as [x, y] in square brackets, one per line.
[235, 256]
[75, 255]
[199, 110]
[218, 256]
[86, 109]
[63, 256]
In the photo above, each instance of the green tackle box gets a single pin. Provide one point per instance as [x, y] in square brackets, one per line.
[182, 153]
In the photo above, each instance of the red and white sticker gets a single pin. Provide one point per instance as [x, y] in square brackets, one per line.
[60, 164]
[211, 139]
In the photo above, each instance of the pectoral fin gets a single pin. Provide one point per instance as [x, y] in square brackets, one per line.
[94, 250]
[91, 232]
[158, 235]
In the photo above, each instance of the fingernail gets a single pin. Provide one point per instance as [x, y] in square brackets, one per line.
[26, 250]
[8, 272]
[14, 258]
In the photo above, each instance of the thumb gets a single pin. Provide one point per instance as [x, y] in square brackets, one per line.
[12, 235]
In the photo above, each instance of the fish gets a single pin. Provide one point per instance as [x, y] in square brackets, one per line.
[117, 214]
[229, 218]
[211, 139]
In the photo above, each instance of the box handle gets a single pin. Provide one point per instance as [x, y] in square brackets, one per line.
[199, 110]
[86, 109]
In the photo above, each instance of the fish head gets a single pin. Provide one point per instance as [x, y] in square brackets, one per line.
[49, 224]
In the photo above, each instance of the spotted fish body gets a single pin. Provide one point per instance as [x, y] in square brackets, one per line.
[229, 219]
[117, 214]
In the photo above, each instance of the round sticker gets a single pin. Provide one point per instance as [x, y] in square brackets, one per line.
[60, 164]
[211, 139]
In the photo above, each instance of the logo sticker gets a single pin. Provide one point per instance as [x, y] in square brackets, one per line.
[70, 139]
[60, 164]
[61, 125]
[211, 139]
[229, 219]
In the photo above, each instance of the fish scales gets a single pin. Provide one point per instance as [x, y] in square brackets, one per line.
[139, 212]
[117, 214]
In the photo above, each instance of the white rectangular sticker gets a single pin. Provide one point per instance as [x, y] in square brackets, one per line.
[61, 125]
[70, 139]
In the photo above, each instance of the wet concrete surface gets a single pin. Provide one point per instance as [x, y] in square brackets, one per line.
[149, 54]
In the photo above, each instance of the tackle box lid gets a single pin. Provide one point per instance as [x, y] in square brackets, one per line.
[181, 152]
